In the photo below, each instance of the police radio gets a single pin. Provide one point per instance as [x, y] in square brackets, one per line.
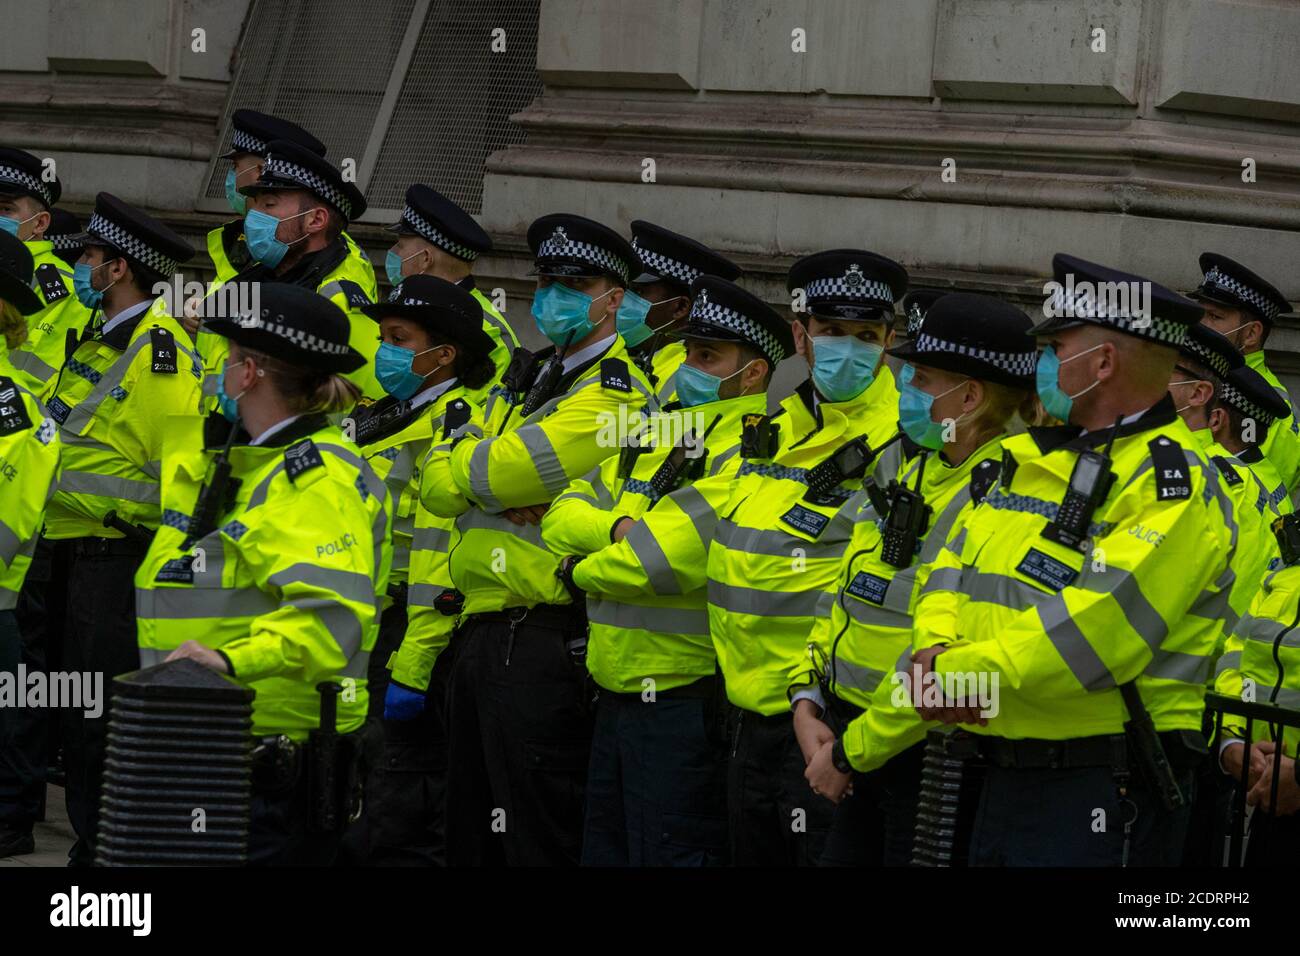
[848, 462]
[1287, 531]
[906, 522]
[1090, 483]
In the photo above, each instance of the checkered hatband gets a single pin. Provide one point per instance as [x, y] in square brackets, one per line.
[66, 242]
[307, 341]
[1211, 359]
[1021, 364]
[1216, 281]
[666, 266]
[706, 310]
[852, 285]
[20, 177]
[247, 143]
[559, 245]
[1233, 397]
[428, 230]
[1086, 305]
[137, 249]
[283, 169]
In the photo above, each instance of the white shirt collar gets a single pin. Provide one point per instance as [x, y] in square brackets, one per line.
[1126, 420]
[130, 312]
[420, 399]
[277, 427]
[591, 351]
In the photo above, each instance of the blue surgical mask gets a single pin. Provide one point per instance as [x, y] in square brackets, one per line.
[561, 313]
[632, 312]
[914, 411]
[259, 234]
[227, 406]
[1055, 401]
[843, 366]
[87, 294]
[393, 369]
[695, 387]
[237, 200]
[12, 226]
[393, 266]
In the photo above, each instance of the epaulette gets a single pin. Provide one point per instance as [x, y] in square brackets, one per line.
[51, 282]
[456, 414]
[1169, 465]
[13, 411]
[355, 295]
[1230, 475]
[1008, 469]
[164, 350]
[982, 478]
[614, 374]
[301, 458]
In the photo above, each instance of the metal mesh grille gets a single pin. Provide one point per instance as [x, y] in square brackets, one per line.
[457, 98]
[325, 64]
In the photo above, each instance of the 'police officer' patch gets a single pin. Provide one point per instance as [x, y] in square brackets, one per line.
[302, 457]
[164, 350]
[177, 571]
[868, 587]
[803, 519]
[1046, 570]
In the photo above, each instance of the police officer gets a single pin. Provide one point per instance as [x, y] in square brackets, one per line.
[29, 462]
[656, 788]
[915, 305]
[1091, 583]
[1243, 307]
[65, 235]
[519, 706]
[297, 211]
[438, 238]
[969, 372]
[115, 398]
[659, 300]
[275, 542]
[432, 354]
[27, 195]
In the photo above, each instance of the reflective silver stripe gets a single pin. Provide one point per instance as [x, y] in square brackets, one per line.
[399, 475]
[890, 460]
[152, 468]
[603, 498]
[187, 604]
[1266, 631]
[1138, 612]
[1175, 665]
[507, 334]
[545, 459]
[10, 543]
[856, 676]
[943, 579]
[125, 489]
[1080, 656]
[873, 615]
[716, 464]
[1286, 697]
[776, 544]
[669, 386]
[149, 656]
[431, 539]
[1006, 591]
[84, 411]
[478, 475]
[33, 365]
[330, 289]
[340, 620]
[937, 536]
[358, 665]
[349, 585]
[422, 595]
[552, 403]
[1229, 661]
[696, 507]
[477, 518]
[260, 492]
[576, 495]
[666, 620]
[401, 558]
[742, 600]
[653, 560]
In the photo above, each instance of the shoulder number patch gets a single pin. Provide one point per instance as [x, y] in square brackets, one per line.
[1046, 570]
[456, 414]
[302, 457]
[614, 374]
[355, 295]
[13, 413]
[1230, 474]
[806, 520]
[50, 279]
[164, 350]
[982, 477]
[1173, 478]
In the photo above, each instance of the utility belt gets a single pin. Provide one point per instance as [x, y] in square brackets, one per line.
[109, 547]
[567, 620]
[331, 768]
[1108, 750]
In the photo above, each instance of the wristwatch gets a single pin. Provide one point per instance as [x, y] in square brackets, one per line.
[565, 573]
[839, 758]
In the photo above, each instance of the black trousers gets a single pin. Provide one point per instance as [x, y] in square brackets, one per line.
[774, 818]
[22, 731]
[520, 723]
[656, 786]
[99, 637]
[874, 826]
[280, 831]
[1074, 818]
[403, 821]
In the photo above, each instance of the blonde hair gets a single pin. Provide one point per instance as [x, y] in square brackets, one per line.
[307, 390]
[1006, 408]
[13, 325]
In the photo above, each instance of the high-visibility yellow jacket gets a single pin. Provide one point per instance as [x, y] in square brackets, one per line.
[29, 473]
[867, 637]
[642, 626]
[340, 272]
[525, 460]
[504, 343]
[775, 553]
[230, 256]
[420, 538]
[663, 368]
[287, 586]
[1061, 629]
[112, 401]
[1247, 669]
[35, 364]
[1282, 444]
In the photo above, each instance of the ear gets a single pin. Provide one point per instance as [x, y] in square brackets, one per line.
[1204, 392]
[41, 223]
[317, 220]
[448, 356]
[751, 380]
[613, 301]
[801, 346]
[974, 396]
[682, 309]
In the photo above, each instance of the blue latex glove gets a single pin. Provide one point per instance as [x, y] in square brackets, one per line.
[402, 704]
